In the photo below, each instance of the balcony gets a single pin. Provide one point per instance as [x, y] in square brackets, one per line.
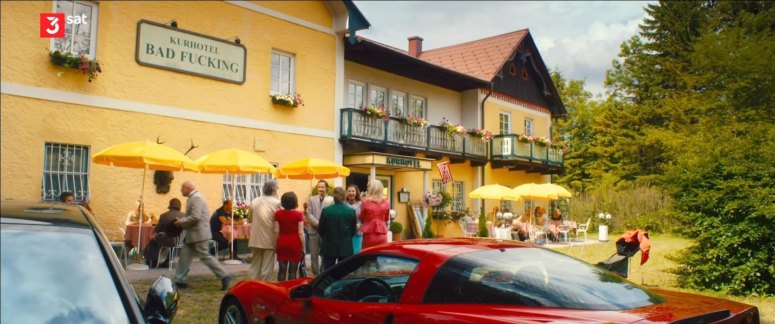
[392, 135]
[507, 151]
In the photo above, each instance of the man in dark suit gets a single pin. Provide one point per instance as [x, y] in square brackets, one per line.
[166, 231]
[336, 228]
[196, 233]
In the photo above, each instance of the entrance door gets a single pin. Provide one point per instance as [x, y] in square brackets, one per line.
[361, 180]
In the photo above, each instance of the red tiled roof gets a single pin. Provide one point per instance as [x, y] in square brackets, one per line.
[480, 58]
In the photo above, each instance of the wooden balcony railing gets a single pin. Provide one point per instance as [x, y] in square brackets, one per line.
[508, 147]
[356, 125]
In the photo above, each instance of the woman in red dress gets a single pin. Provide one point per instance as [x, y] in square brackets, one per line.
[290, 241]
[375, 214]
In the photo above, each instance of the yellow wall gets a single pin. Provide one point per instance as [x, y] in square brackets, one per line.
[29, 122]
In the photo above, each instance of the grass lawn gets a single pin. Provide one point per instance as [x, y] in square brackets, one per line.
[199, 304]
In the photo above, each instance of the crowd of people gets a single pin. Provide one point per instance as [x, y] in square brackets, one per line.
[331, 226]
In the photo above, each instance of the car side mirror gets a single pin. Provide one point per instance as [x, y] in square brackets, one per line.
[162, 301]
[303, 292]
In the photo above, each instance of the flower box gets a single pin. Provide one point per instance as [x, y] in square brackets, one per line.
[414, 121]
[452, 129]
[89, 67]
[376, 111]
[485, 135]
[292, 101]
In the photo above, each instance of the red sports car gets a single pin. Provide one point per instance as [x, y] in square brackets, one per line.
[469, 280]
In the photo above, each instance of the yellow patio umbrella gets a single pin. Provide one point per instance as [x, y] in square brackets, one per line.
[532, 191]
[231, 162]
[144, 155]
[311, 168]
[494, 191]
[556, 189]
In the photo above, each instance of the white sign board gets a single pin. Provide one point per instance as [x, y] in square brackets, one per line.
[170, 48]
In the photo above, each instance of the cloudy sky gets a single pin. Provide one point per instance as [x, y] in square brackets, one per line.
[578, 38]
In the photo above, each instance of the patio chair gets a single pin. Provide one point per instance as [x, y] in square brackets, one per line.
[583, 229]
[469, 227]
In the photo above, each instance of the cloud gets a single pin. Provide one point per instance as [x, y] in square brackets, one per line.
[580, 39]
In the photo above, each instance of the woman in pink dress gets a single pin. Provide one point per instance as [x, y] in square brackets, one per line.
[375, 214]
[290, 241]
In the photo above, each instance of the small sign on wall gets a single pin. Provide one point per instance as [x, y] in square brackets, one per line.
[170, 48]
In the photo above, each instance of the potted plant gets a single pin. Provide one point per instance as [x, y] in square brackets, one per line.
[396, 228]
[414, 121]
[485, 135]
[542, 141]
[452, 129]
[524, 138]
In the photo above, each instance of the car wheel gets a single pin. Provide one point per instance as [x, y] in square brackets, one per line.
[231, 312]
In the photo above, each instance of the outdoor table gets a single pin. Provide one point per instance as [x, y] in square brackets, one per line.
[242, 230]
[131, 235]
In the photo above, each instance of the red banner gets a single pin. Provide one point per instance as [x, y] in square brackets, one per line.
[446, 174]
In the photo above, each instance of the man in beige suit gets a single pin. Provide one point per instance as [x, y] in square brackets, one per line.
[263, 234]
[196, 233]
[314, 208]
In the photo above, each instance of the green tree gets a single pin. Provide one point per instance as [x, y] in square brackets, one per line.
[723, 171]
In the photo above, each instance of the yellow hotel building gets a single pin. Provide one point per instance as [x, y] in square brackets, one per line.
[199, 75]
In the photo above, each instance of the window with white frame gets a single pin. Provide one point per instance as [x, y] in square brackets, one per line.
[246, 186]
[528, 127]
[438, 186]
[458, 196]
[529, 205]
[79, 38]
[355, 94]
[397, 103]
[504, 123]
[417, 106]
[283, 71]
[506, 204]
[65, 168]
[378, 96]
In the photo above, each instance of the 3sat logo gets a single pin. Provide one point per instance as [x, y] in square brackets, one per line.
[52, 25]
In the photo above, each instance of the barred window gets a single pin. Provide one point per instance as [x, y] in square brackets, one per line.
[65, 168]
[247, 186]
[458, 196]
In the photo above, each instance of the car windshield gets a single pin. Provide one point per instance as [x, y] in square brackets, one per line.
[533, 277]
[56, 275]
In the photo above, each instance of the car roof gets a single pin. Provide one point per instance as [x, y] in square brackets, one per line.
[47, 213]
[444, 248]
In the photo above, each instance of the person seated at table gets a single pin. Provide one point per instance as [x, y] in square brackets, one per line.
[221, 217]
[166, 233]
[132, 217]
[557, 215]
[522, 225]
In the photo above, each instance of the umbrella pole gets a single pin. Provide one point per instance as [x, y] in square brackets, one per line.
[231, 213]
[139, 265]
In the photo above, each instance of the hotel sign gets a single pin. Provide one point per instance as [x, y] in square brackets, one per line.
[169, 48]
[405, 162]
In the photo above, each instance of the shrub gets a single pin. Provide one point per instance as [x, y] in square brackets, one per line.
[396, 227]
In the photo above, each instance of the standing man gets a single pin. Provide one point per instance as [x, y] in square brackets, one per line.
[263, 234]
[314, 207]
[195, 236]
[336, 230]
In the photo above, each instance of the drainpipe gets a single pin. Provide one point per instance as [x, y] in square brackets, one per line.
[481, 122]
